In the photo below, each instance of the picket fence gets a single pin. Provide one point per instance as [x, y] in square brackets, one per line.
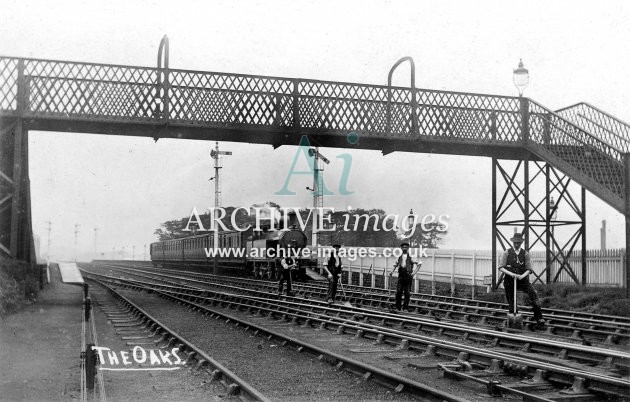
[474, 267]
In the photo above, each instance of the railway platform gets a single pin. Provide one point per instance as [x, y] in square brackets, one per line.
[40, 346]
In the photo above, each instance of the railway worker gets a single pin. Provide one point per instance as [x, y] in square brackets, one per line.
[516, 265]
[333, 270]
[288, 263]
[405, 277]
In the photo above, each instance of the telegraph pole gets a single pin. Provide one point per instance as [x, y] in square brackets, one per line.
[95, 252]
[76, 232]
[133, 253]
[48, 252]
[318, 189]
[216, 154]
[144, 256]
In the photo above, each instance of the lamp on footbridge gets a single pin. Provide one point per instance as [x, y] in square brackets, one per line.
[521, 78]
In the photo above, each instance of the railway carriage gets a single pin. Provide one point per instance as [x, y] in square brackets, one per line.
[246, 253]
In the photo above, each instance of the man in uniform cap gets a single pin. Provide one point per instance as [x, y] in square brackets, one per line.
[405, 277]
[333, 271]
[516, 265]
[288, 263]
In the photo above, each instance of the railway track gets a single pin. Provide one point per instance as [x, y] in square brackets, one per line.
[300, 358]
[586, 329]
[547, 364]
[140, 329]
[546, 345]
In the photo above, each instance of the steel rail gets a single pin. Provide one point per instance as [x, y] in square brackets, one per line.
[575, 332]
[598, 382]
[575, 328]
[382, 377]
[233, 383]
[564, 314]
[566, 375]
[556, 373]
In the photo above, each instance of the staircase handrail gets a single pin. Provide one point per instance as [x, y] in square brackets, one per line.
[618, 136]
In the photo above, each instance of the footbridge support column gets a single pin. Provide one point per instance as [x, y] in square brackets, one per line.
[526, 197]
[626, 178]
[16, 235]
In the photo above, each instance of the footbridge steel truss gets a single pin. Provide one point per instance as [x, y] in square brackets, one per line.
[585, 144]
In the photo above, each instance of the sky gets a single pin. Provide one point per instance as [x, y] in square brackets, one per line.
[126, 186]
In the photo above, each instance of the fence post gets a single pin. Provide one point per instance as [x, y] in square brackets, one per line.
[433, 274]
[622, 264]
[474, 273]
[350, 275]
[416, 283]
[361, 271]
[373, 274]
[452, 273]
[385, 276]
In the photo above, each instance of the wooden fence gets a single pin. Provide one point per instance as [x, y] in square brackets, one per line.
[472, 267]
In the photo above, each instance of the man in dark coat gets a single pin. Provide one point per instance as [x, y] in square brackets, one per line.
[288, 263]
[516, 265]
[333, 271]
[405, 277]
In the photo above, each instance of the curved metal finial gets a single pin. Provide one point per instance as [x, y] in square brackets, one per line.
[413, 93]
[413, 71]
[162, 79]
[163, 45]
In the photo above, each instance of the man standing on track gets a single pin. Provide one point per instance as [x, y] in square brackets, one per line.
[516, 265]
[333, 270]
[288, 263]
[405, 277]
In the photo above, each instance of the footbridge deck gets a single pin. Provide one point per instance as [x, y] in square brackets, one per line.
[161, 102]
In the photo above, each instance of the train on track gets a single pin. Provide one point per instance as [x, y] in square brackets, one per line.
[242, 253]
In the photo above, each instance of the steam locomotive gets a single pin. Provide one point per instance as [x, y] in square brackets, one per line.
[247, 253]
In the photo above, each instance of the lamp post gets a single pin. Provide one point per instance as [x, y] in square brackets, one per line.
[521, 78]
